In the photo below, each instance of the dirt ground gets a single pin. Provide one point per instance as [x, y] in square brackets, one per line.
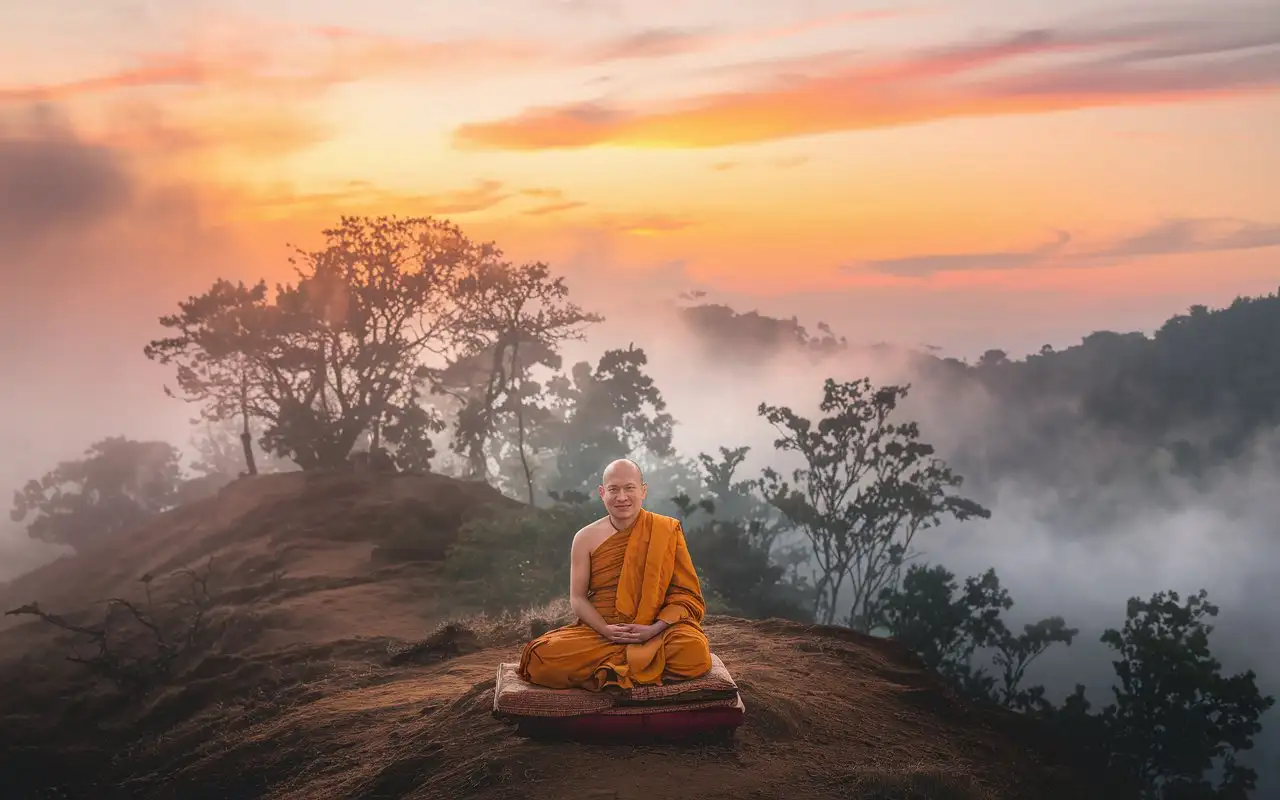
[310, 691]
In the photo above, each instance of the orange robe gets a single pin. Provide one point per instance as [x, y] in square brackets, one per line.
[638, 575]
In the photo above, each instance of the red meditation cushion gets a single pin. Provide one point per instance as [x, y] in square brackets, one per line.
[667, 725]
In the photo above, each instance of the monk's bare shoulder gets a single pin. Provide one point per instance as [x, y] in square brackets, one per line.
[592, 535]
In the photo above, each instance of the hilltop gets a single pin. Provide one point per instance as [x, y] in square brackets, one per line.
[337, 667]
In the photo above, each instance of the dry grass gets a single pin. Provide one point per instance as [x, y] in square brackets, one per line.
[290, 705]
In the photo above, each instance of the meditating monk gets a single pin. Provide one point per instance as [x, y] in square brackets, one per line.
[634, 589]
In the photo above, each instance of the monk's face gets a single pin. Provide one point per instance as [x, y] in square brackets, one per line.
[623, 492]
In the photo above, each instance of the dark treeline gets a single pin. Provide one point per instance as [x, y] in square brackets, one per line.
[404, 346]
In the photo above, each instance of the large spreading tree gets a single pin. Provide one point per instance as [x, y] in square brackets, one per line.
[340, 354]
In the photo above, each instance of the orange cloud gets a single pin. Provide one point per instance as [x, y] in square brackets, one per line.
[168, 69]
[652, 225]
[355, 197]
[292, 62]
[973, 80]
[781, 162]
[247, 129]
[554, 208]
[266, 58]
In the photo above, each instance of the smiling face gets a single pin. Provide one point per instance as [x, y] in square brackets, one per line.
[623, 491]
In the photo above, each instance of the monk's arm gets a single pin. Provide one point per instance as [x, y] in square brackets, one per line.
[684, 594]
[580, 582]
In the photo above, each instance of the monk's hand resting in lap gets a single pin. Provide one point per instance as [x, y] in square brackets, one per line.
[628, 633]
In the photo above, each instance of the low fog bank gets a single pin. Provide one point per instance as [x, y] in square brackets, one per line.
[1079, 549]
[1224, 542]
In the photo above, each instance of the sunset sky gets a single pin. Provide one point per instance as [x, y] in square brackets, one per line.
[967, 174]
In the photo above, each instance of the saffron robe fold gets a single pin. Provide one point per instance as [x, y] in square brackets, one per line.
[638, 575]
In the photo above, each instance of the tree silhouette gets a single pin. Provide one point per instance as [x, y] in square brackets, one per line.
[337, 355]
[116, 486]
[518, 318]
[867, 488]
[611, 411]
[1175, 713]
[749, 337]
[737, 499]
[738, 574]
[948, 625]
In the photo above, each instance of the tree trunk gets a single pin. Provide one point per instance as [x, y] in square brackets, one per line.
[246, 438]
[246, 442]
[517, 378]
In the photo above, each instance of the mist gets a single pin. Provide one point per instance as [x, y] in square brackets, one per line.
[1219, 535]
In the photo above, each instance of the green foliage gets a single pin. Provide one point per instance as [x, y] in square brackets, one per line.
[520, 558]
[867, 487]
[117, 485]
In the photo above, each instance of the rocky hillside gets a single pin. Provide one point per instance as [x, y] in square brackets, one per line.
[324, 668]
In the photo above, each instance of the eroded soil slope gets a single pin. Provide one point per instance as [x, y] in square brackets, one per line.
[311, 689]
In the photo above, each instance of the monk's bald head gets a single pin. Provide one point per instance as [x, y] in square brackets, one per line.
[624, 469]
[623, 491]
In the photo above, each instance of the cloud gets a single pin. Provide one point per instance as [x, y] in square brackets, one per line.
[554, 208]
[362, 196]
[273, 59]
[296, 62]
[1032, 71]
[920, 266]
[484, 195]
[242, 128]
[668, 42]
[652, 224]
[653, 43]
[1170, 237]
[554, 202]
[51, 182]
[165, 69]
[1190, 235]
[781, 162]
[542, 192]
[790, 162]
